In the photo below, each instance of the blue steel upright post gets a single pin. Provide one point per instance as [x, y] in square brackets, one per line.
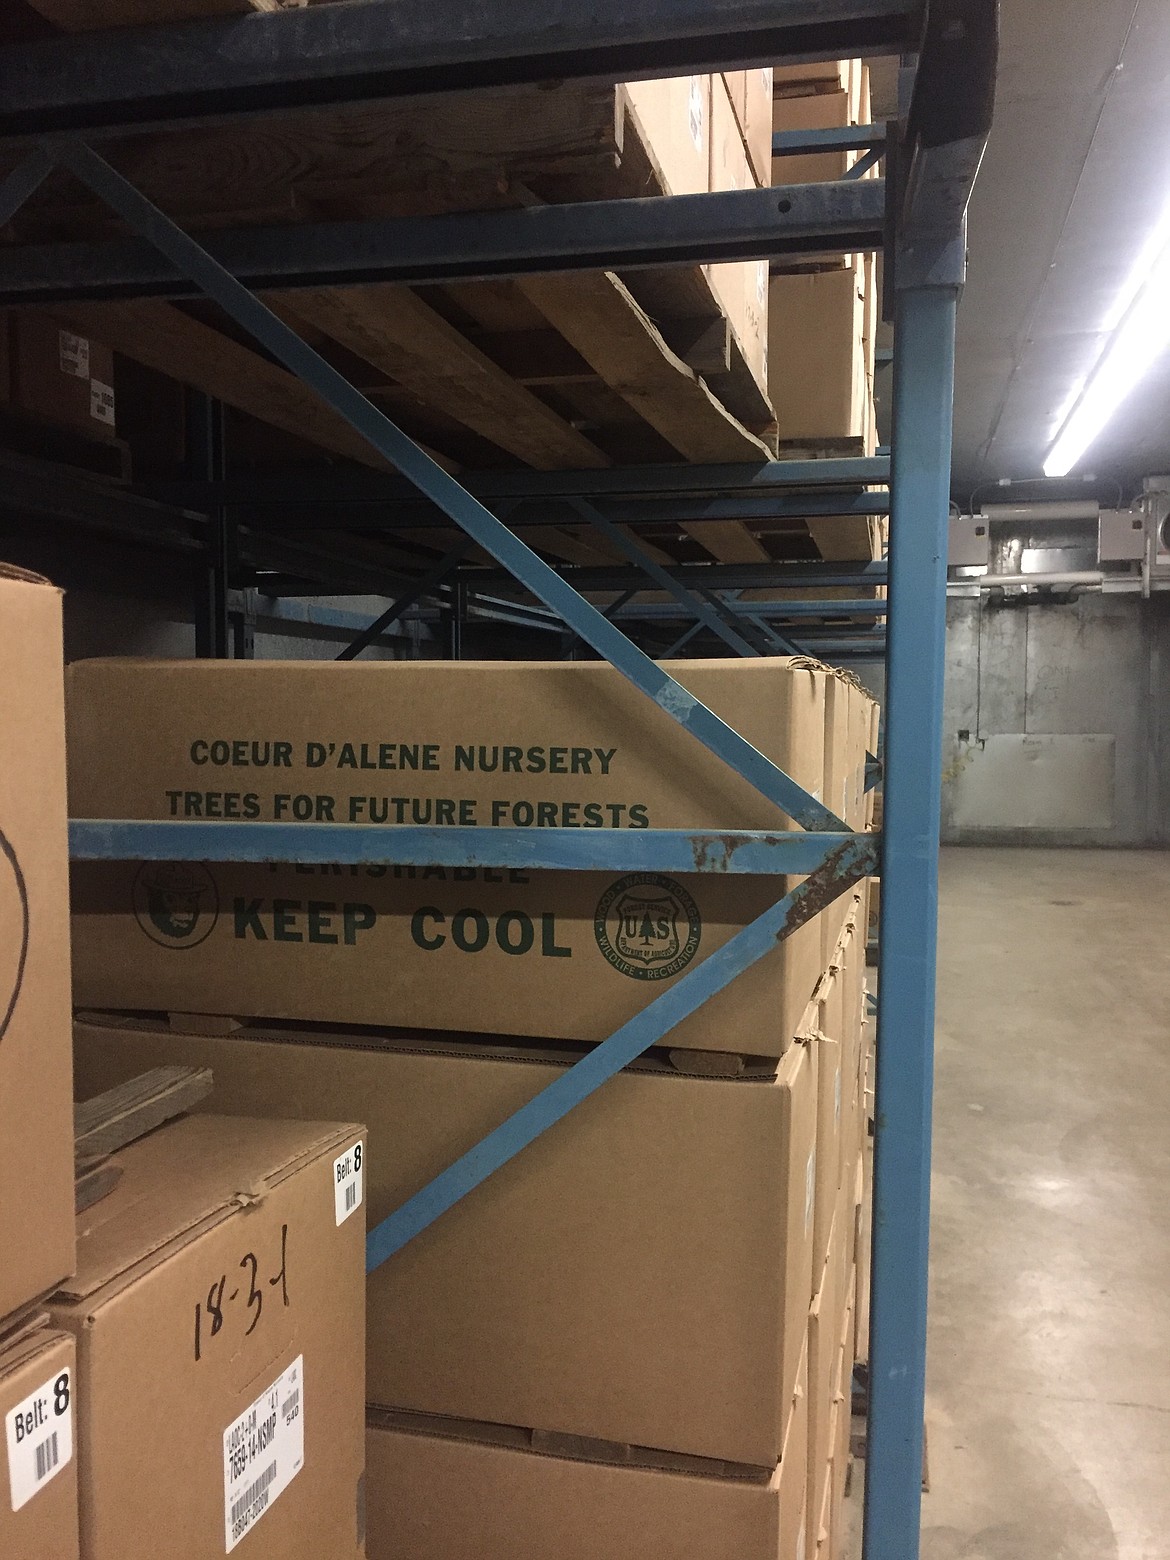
[929, 281]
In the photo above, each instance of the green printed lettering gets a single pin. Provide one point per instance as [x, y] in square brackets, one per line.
[247, 922]
[593, 818]
[418, 928]
[321, 912]
[526, 933]
[465, 940]
[284, 912]
[557, 761]
[549, 948]
[512, 757]
[604, 756]
[464, 757]
[639, 816]
[536, 761]
[581, 760]
[355, 919]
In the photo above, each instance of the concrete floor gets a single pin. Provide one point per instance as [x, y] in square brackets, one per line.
[1048, 1408]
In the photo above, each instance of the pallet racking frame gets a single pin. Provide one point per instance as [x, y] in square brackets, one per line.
[64, 96]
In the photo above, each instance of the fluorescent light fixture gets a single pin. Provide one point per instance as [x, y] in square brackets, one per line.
[1140, 335]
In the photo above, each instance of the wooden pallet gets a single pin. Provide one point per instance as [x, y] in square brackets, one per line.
[549, 371]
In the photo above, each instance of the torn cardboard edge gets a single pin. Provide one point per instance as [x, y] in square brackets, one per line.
[197, 1223]
[443, 1043]
[567, 1448]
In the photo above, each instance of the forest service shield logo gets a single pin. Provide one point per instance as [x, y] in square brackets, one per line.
[647, 926]
[176, 903]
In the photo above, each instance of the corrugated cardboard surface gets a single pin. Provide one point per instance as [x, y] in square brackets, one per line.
[816, 359]
[36, 1092]
[63, 377]
[674, 119]
[741, 286]
[641, 1273]
[447, 1496]
[572, 955]
[45, 1527]
[210, 1268]
[826, 1320]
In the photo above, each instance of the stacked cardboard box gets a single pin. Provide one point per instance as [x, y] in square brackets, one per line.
[712, 133]
[607, 1344]
[217, 1316]
[823, 316]
[38, 1487]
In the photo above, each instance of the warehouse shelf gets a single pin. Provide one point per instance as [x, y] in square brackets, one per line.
[63, 98]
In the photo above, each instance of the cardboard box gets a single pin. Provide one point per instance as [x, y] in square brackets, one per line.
[673, 119]
[438, 1490]
[750, 94]
[741, 286]
[554, 1296]
[570, 955]
[825, 1325]
[816, 361]
[831, 1085]
[218, 1313]
[38, 1466]
[36, 1084]
[61, 376]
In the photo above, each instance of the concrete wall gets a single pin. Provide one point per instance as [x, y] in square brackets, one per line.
[1057, 722]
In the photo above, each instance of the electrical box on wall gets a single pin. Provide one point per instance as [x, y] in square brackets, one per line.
[969, 545]
[1121, 536]
[1157, 507]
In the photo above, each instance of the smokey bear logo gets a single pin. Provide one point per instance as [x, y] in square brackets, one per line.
[176, 903]
[647, 926]
[13, 931]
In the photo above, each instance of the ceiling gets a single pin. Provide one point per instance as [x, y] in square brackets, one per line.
[1077, 175]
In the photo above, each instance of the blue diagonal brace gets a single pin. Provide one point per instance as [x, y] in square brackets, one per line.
[843, 867]
[667, 582]
[23, 181]
[443, 490]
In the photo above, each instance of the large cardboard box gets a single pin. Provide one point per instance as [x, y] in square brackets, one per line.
[38, 1465]
[750, 93]
[831, 1086]
[61, 376]
[741, 286]
[571, 955]
[825, 1323]
[816, 356]
[36, 1088]
[218, 1312]
[673, 118]
[438, 1490]
[641, 1274]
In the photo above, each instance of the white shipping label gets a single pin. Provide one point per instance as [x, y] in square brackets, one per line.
[810, 1190]
[263, 1451]
[349, 1174]
[101, 402]
[40, 1437]
[73, 354]
[695, 111]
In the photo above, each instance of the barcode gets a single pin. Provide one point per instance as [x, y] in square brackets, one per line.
[351, 1197]
[47, 1457]
[290, 1403]
[243, 1502]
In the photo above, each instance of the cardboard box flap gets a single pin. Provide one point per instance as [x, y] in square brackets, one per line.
[177, 1179]
[14, 573]
[25, 1343]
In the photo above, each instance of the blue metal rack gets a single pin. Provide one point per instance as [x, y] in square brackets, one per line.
[64, 96]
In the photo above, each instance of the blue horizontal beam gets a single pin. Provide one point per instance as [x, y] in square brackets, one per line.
[844, 866]
[129, 79]
[615, 235]
[653, 611]
[837, 138]
[754, 478]
[738, 851]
